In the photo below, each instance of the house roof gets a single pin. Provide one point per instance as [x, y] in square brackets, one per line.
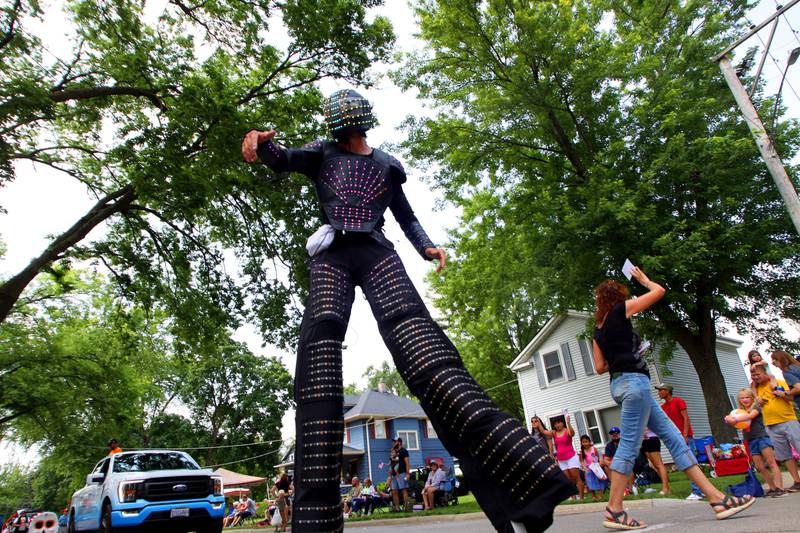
[383, 404]
[347, 451]
[523, 360]
[351, 399]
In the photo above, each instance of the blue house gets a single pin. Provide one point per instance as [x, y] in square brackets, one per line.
[373, 419]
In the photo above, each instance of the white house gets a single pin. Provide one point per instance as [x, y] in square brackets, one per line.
[555, 371]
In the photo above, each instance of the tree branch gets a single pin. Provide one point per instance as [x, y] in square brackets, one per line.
[65, 95]
[9, 35]
[113, 203]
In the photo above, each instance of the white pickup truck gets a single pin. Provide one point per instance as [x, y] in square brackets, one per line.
[152, 490]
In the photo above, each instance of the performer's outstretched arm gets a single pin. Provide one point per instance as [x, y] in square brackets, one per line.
[408, 221]
[260, 145]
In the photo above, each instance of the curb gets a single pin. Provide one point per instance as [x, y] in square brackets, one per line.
[561, 510]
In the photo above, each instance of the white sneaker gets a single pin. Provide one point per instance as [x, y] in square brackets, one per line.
[694, 497]
[650, 490]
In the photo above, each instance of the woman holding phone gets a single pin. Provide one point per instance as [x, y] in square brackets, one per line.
[614, 352]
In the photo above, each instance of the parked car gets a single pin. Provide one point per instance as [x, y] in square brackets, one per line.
[150, 490]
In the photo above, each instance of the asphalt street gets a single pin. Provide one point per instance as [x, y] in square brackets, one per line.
[774, 515]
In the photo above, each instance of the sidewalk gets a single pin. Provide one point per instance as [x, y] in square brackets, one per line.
[561, 510]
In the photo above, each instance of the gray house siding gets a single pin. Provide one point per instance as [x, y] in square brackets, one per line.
[590, 393]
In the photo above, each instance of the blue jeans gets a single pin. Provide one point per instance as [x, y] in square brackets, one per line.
[639, 409]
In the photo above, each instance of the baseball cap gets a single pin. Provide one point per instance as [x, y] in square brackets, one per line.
[664, 386]
[614, 429]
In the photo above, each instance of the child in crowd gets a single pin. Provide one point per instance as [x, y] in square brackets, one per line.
[283, 508]
[755, 359]
[590, 464]
[760, 444]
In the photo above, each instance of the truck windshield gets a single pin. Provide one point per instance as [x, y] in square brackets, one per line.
[148, 462]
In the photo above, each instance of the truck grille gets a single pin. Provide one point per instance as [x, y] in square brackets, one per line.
[169, 489]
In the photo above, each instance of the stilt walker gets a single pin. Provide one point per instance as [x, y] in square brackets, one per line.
[513, 478]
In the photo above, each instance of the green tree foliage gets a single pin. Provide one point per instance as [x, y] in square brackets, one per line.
[80, 367]
[15, 488]
[149, 114]
[389, 375]
[576, 134]
[236, 397]
[67, 360]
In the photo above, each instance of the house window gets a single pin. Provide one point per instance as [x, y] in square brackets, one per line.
[599, 421]
[593, 428]
[410, 439]
[431, 432]
[380, 429]
[552, 367]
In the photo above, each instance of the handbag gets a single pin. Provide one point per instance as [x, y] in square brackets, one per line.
[750, 486]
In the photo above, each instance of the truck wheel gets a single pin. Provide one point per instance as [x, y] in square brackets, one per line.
[105, 519]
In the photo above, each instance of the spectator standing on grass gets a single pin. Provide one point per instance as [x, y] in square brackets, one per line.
[282, 504]
[791, 374]
[780, 420]
[283, 484]
[562, 434]
[651, 446]
[539, 432]
[761, 447]
[615, 352]
[755, 359]
[590, 461]
[400, 474]
[679, 414]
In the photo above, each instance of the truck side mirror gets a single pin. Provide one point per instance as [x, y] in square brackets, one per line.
[95, 478]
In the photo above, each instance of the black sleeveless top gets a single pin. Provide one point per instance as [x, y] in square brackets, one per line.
[619, 343]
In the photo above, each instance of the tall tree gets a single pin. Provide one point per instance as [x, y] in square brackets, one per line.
[576, 134]
[236, 397]
[148, 116]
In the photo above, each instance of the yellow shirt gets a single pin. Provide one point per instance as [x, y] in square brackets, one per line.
[775, 410]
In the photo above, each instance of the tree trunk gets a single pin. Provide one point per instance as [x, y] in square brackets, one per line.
[702, 352]
[111, 204]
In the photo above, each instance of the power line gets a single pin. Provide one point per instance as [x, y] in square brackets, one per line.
[778, 6]
[776, 64]
[243, 460]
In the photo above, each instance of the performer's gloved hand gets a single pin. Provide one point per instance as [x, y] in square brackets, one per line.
[251, 142]
[436, 253]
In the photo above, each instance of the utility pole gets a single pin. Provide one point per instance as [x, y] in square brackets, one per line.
[763, 141]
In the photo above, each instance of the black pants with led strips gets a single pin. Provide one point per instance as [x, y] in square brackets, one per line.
[510, 474]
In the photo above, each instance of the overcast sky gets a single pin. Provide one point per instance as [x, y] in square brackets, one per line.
[25, 230]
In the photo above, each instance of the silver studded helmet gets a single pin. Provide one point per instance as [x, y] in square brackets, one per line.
[347, 111]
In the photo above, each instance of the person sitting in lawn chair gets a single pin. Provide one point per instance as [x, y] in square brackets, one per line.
[434, 482]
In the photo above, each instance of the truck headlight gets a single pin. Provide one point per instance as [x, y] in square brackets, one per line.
[216, 486]
[129, 490]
